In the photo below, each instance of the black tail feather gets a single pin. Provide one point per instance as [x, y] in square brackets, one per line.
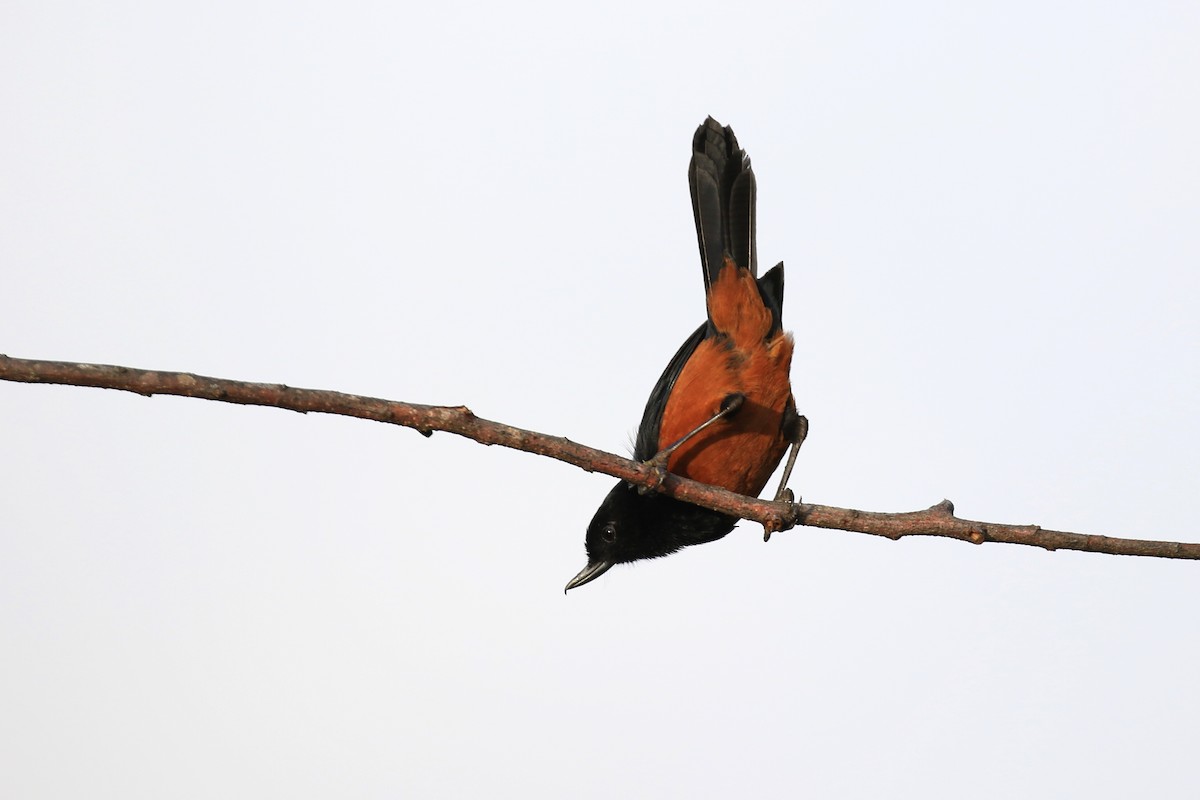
[723, 197]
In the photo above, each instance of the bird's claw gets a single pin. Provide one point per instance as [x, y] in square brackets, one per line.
[784, 495]
[659, 465]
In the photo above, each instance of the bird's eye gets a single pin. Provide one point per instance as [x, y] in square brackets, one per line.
[609, 533]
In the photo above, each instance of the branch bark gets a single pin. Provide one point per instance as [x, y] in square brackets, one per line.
[938, 520]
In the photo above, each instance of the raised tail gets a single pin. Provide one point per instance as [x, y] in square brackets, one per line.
[723, 192]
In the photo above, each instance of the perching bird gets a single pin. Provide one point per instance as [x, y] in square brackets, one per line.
[722, 413]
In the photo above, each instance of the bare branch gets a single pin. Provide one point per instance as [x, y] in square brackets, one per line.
[939, 520]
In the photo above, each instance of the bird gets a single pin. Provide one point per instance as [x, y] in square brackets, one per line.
[722, 413]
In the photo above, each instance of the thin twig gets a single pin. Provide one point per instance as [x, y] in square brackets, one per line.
[939, 520]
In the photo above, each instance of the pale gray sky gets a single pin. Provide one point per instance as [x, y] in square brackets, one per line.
[989, 216]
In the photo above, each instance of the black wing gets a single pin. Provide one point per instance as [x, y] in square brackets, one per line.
[646, 446]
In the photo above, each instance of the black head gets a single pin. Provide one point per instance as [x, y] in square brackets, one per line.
[630, 526]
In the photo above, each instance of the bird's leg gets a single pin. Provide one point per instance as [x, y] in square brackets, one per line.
[729, 407]
[795, 430]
